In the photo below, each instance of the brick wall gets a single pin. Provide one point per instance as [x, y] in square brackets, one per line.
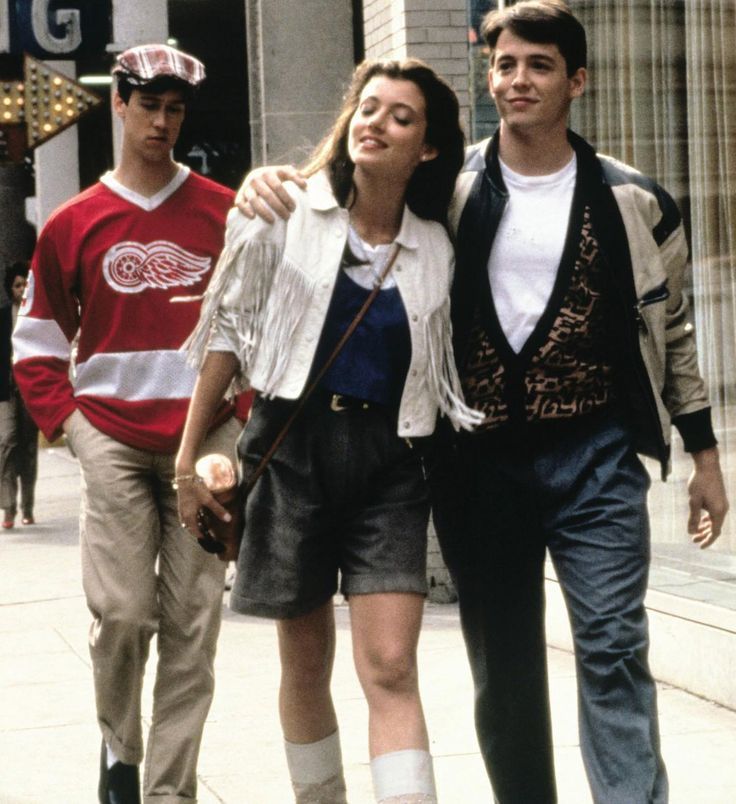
[433, 30]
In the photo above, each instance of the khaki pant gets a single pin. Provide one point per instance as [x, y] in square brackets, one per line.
[144, 575]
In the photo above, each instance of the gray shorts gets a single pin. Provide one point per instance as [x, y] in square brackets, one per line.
[342, 493]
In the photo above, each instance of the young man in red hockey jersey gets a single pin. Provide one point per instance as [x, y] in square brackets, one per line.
[109, 265]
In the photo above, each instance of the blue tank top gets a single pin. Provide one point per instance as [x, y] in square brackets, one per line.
[374, 362]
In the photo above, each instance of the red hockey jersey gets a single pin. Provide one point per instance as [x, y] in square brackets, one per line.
[119, 270]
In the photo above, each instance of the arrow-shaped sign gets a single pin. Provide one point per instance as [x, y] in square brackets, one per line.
[45, 102]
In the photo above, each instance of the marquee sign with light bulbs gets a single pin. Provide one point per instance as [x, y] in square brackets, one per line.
[39, 107]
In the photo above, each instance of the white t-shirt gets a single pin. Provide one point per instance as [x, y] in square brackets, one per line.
[373, 261]
[527, 249]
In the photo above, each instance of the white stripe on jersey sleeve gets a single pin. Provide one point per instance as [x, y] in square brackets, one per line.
[39, 337]
[136, 376]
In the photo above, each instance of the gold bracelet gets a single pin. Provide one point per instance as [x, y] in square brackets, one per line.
[178, 479]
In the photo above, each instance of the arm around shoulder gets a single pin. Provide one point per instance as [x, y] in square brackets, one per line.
[264, 195]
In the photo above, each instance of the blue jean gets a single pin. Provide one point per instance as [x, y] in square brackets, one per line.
[578, 490]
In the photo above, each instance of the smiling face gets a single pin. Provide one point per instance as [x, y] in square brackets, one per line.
[151, 122]
[388, 128]
[530, 85]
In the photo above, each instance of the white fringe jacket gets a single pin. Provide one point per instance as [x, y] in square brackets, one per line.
[268, 300]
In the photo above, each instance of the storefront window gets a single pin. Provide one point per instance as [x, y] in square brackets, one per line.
[662, 96]
[483, 116]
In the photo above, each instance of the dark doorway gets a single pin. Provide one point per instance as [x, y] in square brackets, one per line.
[215, 140]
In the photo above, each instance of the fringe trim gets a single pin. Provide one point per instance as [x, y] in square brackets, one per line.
[290, 296]
[442, 375]
[265, 296]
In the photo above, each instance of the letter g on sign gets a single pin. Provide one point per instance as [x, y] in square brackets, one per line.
[66, 19]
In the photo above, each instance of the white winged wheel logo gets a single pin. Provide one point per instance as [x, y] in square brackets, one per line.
[131, 267]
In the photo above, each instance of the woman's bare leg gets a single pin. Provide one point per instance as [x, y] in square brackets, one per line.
[385, 630]
[307, 650]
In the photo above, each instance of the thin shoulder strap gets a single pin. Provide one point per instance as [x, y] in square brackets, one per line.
[251, 480]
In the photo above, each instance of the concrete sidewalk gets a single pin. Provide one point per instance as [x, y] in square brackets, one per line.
[49, 741]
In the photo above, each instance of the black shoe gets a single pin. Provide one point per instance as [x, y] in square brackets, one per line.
[119, 784]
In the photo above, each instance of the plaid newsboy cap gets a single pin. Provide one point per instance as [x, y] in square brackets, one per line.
[142, 64]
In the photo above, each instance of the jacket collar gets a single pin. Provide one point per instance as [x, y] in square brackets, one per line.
[408, 236]
[485, 155]
[322, 199]
[319, 192]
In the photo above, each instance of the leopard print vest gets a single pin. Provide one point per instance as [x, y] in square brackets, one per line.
[567, 374]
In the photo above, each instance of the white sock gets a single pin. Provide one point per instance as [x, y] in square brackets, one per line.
[312, 763]
[111, 757]
[403, 773]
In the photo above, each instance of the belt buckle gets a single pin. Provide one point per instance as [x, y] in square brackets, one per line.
[337, 404]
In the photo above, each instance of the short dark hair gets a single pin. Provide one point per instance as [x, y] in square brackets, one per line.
[433, 182]
[12, 270]
[543, 22]
[156, 87]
